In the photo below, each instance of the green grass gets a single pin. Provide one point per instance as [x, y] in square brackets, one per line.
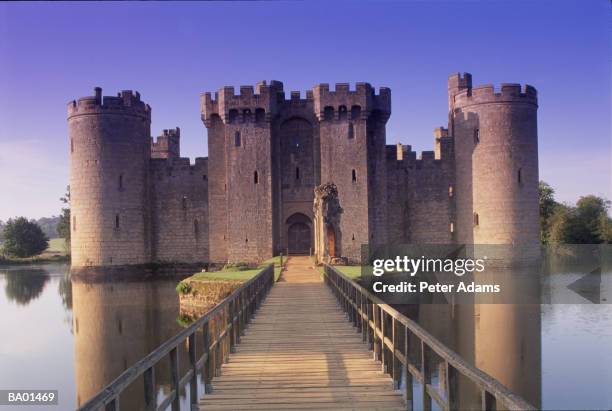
[351, 271]
[238, 275]
[56, 246]
[226, 275]
[277, 266]
[39, 259]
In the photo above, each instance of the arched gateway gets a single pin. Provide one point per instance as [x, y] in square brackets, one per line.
[299, 234]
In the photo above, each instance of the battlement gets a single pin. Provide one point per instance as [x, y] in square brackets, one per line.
[127, 102]
[407, 158]
[509, 93]
[168, 145]
[458, 81]
[251, 104]
[332, 104]
[162, 168]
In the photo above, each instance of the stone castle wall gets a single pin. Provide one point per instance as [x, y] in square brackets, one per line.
[109, 179]
[134, 200]
[179, 210]
[497, 164]
[420, 200]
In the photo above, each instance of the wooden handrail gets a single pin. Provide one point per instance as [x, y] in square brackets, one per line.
[231, 315]
[389, 334]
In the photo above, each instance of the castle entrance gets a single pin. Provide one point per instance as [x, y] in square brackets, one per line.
[299, 236]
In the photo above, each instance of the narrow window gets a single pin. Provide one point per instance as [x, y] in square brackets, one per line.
[233, 115]
[351, 131]
[120, 181]
[297, 173]
[196, 229]
[520, 176]
[476, 219]
[116, 220]
[71, 145]
[296, 141]
[260, 115]
[450, 191]
[452, 227]
[476, 135]
[255, 178]
[328, 113]
[184, 202]
[342, 114]
[354, 175]
[73, 223]
[204, 177]
[237, 139]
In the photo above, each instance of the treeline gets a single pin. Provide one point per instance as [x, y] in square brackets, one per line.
[587, 222]
[48, 225]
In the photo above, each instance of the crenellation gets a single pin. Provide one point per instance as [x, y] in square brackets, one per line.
[168, 145]
[127, 102]
[509, 92]
[253, 197]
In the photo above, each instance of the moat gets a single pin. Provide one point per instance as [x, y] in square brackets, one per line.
[77, 337]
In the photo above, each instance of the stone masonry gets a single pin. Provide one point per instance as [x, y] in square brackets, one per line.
[136, 201]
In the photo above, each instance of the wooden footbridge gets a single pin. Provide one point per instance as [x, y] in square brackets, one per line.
[300, 352]
[317, 341]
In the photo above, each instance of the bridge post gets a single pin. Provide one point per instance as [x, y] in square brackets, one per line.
[396, 362]
[174, 372]
[149, 389]
[425, 372]
[451, 386]
[407, 375]
[383, 346]
[208, 364]
[229, 326]
[193, 362]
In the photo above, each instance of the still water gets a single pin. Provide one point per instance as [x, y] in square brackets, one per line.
[76, 337]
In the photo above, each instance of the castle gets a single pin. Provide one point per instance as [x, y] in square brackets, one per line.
[309, 174]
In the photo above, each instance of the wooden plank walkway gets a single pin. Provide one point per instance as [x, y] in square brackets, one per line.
[300, 352]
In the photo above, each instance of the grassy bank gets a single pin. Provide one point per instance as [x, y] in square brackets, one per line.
[55, 253]
[239, 272]
[39, 259]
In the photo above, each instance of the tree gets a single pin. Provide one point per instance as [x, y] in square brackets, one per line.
[23, 286]
[23, 238]
[63, 226]
[547, 209]
[587, 223]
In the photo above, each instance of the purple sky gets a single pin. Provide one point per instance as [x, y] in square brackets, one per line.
[51, 53]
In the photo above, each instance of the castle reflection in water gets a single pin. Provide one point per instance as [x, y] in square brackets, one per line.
[117, 324]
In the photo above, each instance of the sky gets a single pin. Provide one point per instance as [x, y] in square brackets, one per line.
[51, 53]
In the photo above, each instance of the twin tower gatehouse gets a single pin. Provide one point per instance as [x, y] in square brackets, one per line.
[303, 174]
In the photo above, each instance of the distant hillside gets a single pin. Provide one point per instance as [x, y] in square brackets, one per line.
[47, 224]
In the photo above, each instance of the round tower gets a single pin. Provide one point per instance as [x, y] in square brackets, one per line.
[496, 153]
[110, 148]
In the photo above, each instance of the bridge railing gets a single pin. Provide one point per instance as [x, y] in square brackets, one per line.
[219, 331]
[398, 341]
